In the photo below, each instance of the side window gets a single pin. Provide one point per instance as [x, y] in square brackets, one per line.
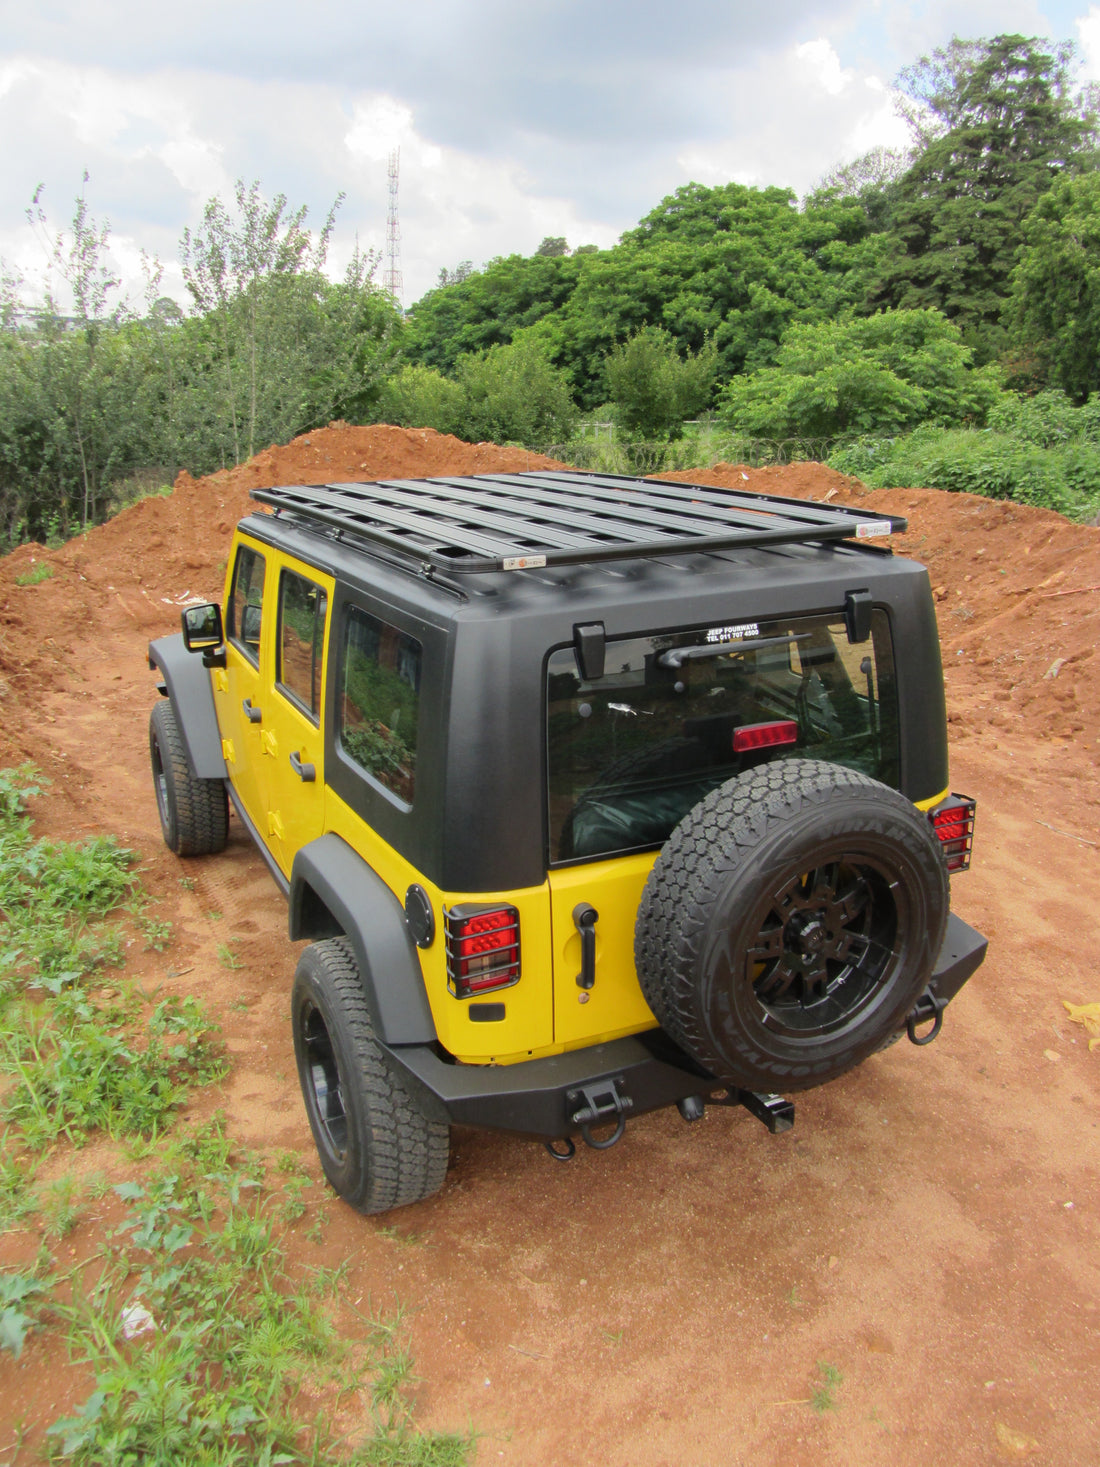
[246, 603]
[380, 700]
[302, 608]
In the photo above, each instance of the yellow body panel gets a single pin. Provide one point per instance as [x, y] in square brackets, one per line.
[614, 1005]
[528, 1027]
[931, 804]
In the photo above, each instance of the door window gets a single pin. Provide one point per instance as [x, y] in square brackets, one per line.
[380, 701]
[245, 610]
[302, 608]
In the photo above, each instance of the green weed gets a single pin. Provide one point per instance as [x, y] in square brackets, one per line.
[18, 1292]
[157, 934]
[73, 1076]
[823, 1396]
[16, 1198]
[228, 958]
[41, 571]
[224, 1345]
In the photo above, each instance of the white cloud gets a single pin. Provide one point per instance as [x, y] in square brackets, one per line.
[795, 117]
[1088, 29]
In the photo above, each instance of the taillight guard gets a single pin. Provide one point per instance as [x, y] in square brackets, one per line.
[482, 942]
[953, 822]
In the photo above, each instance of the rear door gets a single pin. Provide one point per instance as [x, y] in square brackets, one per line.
[237, 688]
[293, 737]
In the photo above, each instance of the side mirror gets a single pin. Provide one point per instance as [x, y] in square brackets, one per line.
[202, 627]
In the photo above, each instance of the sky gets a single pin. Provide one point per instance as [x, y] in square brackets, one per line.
[514, 120]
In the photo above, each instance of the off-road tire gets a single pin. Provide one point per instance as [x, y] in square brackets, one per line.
[381, 1142]
[790, 923]
[194, 813]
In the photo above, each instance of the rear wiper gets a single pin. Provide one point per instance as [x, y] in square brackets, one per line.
[677, 656]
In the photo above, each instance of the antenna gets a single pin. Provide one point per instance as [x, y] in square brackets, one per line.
[392, 278]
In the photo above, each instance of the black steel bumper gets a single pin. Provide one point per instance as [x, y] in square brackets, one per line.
[539, 1097]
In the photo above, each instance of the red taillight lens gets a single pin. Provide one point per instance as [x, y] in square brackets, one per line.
[953, 822]
[764, 735]
[482, 948]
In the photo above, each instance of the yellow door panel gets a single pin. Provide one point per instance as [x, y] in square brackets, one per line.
[237, 686]
[527, 1028]
[614, 1005]
[293, 740]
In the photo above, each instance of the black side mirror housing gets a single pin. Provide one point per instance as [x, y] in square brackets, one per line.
[202, 632]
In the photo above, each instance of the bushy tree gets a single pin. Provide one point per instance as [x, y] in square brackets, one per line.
[653, 388]
[997, 122]
[1055, 312]
[876, 374]
[421, 397]
[512, 394]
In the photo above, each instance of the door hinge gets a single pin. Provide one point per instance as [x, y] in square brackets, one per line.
[269, 744]
[229, 754]
[275, 825]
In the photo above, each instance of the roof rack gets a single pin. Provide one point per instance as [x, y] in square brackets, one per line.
[502, 522]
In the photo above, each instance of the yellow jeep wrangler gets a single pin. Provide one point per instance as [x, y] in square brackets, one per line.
[590, 794]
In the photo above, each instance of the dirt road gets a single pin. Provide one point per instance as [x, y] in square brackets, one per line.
[923, 1250]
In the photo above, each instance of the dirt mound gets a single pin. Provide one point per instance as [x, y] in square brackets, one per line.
[143, 565]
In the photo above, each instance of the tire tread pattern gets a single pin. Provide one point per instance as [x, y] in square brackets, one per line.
[714, 839]
[198, 808]
[405, 1151]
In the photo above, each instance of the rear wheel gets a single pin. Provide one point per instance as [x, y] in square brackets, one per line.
[194, 813]
[790, 924]
[381, 1142]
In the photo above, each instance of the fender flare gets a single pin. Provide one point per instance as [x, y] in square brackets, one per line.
[334, 892]
[192, 697]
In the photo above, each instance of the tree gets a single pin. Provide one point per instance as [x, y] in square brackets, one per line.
[462, 271]
[244, 268]
[1055, 310]
[876, 374]
[553, 247]
[998, 122]
[421, 397]
[512, 394]
[653, 388]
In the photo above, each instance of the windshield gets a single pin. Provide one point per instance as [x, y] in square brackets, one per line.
[630, 753]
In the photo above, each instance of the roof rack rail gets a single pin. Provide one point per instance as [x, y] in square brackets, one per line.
[503, 522]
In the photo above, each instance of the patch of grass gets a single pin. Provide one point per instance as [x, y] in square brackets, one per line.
[823, 1396]
[17, 1200]
[39, 572]
[226, 1344]
[60, 1214]
[73, 1076]
[227, 957]
[157, 933]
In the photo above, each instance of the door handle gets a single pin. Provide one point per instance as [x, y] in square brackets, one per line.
[585, 918]
[307, 773]
[255, 715]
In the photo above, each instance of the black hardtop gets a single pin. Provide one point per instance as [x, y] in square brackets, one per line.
[477, 823]
[517, 522]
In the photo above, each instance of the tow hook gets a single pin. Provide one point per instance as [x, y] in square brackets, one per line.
[927, 1009]
[596, 1105]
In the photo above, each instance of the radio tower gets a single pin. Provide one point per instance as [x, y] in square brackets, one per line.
[392, 279]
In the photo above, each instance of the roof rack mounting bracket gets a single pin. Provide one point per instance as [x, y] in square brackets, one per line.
[589, 642]
[858, 606]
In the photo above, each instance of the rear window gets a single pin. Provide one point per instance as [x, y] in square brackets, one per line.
[630, 753]
[379, 709]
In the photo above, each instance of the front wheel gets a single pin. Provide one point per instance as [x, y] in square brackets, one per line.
[194, 813]
[381, 1142]
[790, 924]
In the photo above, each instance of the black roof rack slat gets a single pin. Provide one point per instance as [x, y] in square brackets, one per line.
[497, 522]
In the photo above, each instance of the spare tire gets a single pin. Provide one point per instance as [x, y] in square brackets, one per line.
[790, 923]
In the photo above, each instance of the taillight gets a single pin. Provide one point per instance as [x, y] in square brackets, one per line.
[764, 735]
[482, 948]
[953, 822]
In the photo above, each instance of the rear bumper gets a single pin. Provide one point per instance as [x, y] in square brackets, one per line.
[539, 1097]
